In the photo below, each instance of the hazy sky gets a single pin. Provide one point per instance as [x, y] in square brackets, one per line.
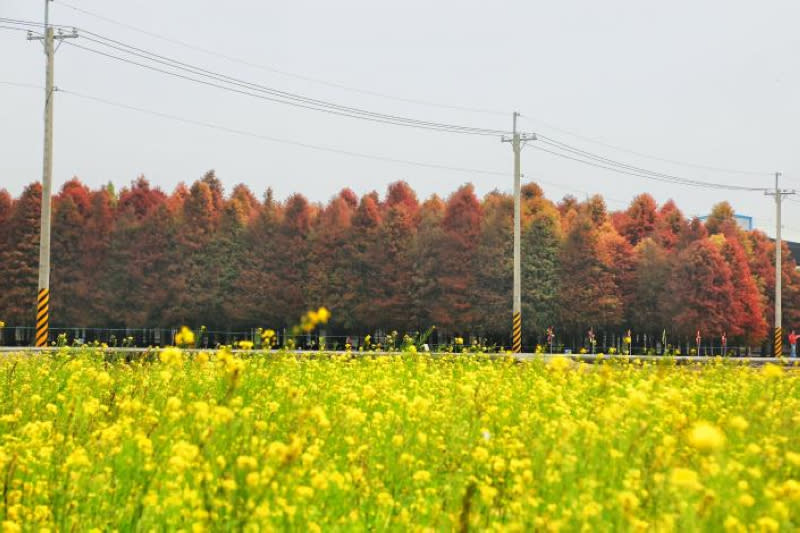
[716, 83]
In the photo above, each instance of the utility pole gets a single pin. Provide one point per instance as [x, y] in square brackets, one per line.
[516, 324]
[777, 347]
[43, 297]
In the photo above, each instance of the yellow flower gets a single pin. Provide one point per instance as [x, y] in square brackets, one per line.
[268, 336]
[488, 494]
[185, 337]
[685, 478]
[738, 423]
[793, 457]
[171, 357]
[245, 345]
[422, 476]
[10, 526]
[772, 371]
[627, 500]
[2, 324]
[706, 437]
[246, 462]
[385, 499]
[559, 363]
[766, 523]
[480, 454]
[323, 315]
[746, 500]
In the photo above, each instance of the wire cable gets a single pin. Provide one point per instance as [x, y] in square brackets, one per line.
[283, 72]
[638, 170]
[276, 139]
[20, 84]
[646, 176]
[198, 71]
[644, 155]
[300, 144]
[261, 96]
[310, 103]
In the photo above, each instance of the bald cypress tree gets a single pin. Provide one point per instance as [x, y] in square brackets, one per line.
[494, 266]
[461, 225]
[71, 281]
[702, 293]
[20, 257]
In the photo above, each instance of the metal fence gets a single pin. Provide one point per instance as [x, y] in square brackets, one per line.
[158, 337]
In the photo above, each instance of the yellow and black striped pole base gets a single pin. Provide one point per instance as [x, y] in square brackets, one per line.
[516, 333]
[777, 347]
[42, 317]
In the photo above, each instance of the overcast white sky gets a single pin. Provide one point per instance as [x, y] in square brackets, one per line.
[715, 82]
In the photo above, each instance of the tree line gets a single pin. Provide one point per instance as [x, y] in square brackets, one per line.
[142, 258]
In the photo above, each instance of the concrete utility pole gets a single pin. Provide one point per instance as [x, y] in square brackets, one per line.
[43, 298]
[516, 325]
[779, 194]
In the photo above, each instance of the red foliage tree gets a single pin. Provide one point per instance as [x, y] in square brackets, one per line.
[748, 302]
[328, 280]
[461, 225]
[394, 262]
[702, 293]
[71, 282]
[20, 258]
[588, 294]
[639, 220]
[494, 265]
[669, 226]
[253, 292]
[646, 309]
[290, 260]
[427, 255]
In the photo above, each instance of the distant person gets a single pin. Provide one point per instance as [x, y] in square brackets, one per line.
[793, 343]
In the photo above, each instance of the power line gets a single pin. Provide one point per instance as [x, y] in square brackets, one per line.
[621, 170]
[13, 28]
[300, 144]
[283, 72]
[299, 101]
[20, 84]
[677, 179]
[276, 139]
[229, 83]
[647, 156]
[316, 103]
[582, 155]
[278, 96]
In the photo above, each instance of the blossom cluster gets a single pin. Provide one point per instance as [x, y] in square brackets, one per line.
[276, 440]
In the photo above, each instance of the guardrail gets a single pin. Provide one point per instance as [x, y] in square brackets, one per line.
[519, 357]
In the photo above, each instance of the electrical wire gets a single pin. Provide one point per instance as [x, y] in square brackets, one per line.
[276, 139]
[316, 103]
[13, 28]
[620, 170]
[300, 144]
[644, 155]
[230, 83]
[262, 96]
[296, 99]
[639, 170]
[283, 72]
[20, 84]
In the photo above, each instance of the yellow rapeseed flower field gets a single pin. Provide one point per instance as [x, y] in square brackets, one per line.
[277, 441]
